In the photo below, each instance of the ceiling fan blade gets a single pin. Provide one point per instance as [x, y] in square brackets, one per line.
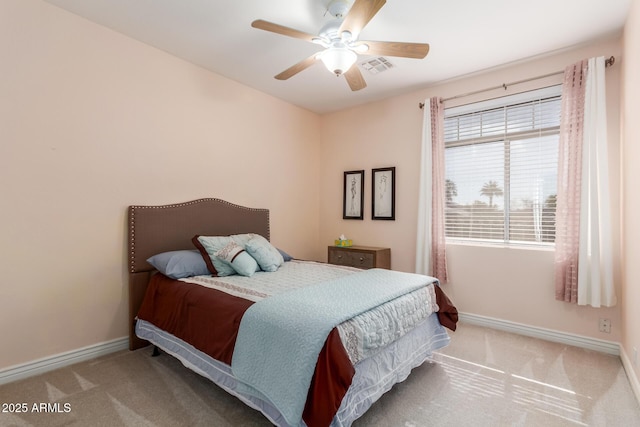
[295, 69]
[280, 29]
[359, 15]
[405, 50]
[354, 78]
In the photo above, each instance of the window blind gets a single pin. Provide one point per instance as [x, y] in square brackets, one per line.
[501, 160]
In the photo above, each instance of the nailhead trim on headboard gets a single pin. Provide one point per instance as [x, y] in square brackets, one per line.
[134, 208]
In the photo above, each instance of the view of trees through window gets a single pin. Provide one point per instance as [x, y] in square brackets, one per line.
[501, 173]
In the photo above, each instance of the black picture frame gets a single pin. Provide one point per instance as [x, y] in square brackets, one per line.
[383, 193]
[353, 195]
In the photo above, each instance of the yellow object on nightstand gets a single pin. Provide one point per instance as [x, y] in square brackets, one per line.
[344, 243]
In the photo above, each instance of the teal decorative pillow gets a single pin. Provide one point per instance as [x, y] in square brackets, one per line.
[208, 246]
[267, 256]
[238, 259]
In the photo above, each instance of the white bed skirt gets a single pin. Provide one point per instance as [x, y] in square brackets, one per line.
[374, 375]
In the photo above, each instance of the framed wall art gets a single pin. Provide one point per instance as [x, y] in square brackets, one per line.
[353, 195]
[383, 193]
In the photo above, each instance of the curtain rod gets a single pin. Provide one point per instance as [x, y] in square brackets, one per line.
[607, 62]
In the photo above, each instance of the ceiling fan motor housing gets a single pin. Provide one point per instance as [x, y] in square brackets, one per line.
[329, 31]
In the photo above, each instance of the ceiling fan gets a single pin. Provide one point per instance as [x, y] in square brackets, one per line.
[339, 37]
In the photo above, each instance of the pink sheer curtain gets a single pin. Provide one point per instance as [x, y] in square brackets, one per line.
[438, 246]
[569, 182]
[430, 241]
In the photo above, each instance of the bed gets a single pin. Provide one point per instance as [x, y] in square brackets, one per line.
[345, 376]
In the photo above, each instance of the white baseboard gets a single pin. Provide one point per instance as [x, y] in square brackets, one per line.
[603, 346]
[18, 372]
[633, 379]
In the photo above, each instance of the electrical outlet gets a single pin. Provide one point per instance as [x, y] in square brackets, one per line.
[605, 326]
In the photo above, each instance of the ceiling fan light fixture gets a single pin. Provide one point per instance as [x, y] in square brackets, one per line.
[338, 60]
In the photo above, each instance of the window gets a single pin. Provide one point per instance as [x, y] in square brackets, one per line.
[501, 161]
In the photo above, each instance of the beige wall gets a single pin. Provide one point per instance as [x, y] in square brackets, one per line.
[631, 195]
[91, 122]
[511, 284]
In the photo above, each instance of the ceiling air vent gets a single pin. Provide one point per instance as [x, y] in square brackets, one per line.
[377, 65]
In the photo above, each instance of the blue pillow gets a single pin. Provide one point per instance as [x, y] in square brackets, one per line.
[234, 255]
[179, 264]
[285, 255]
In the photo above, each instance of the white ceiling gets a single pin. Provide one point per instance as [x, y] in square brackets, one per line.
[466, 36]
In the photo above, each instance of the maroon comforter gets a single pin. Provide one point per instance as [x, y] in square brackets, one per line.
[209, 320]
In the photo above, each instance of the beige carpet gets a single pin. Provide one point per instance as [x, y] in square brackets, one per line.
[484, 378]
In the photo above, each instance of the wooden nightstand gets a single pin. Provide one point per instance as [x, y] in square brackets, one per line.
[360, 256]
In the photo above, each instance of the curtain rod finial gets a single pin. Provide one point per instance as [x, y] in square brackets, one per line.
[421, 105]
[610, 61]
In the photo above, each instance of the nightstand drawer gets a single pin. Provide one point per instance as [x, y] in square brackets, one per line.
[353, 259]
[360, 256]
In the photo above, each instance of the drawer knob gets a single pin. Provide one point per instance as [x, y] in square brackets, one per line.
[339, 256]
[361, 259]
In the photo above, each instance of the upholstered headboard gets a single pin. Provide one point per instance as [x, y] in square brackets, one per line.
[156, 229]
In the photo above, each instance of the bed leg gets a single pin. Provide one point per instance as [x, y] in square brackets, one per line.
[156, 351]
